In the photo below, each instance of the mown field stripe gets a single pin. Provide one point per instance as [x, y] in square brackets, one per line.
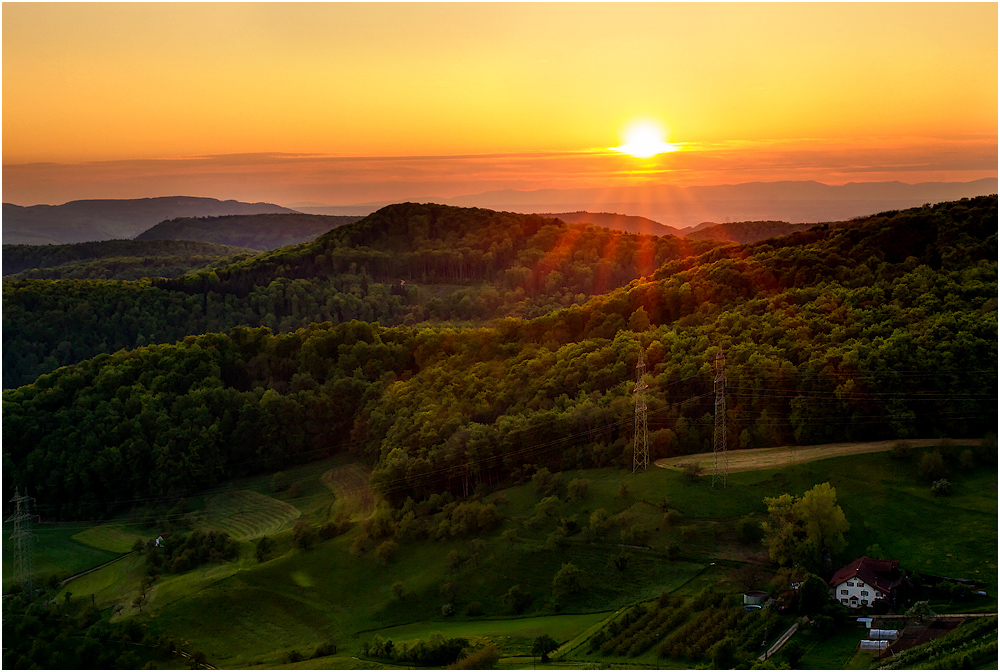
[753, 459]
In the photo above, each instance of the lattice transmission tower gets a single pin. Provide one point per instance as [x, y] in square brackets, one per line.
[640, 441]
[24, 541]
[719, 446]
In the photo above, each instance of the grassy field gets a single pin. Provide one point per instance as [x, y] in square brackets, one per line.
[56, 551]
[245, 514]
[350, 483]
[298, 599]
[114, 538]
[784, 456]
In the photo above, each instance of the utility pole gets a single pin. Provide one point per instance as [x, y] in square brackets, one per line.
[719, 446]
[23, 543]
[640, 441]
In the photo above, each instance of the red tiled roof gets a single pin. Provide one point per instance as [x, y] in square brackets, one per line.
[881, 574]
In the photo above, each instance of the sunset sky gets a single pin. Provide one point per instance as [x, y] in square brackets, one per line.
[352, 103]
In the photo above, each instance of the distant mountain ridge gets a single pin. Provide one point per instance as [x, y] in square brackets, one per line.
[257, 232]
[733, 232]
[683, 207]
[112, 219]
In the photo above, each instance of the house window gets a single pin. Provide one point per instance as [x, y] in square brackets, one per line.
[864, 602]
[864, 592]
[843, 600]
[850, 583]
[843, 592]
[878, 594]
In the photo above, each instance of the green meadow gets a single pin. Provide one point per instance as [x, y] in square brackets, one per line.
[246, 613]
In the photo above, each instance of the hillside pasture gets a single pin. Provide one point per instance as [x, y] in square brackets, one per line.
[783, 456]
[55, 552]
[245, 514]
[114, 538]
[350, 483]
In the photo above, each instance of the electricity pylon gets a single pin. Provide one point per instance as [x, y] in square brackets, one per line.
[23, 543]
[640, 441]
[719, 446]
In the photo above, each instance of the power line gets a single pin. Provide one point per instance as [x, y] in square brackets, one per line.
[640, 441]
[24, 543]
[719, 444]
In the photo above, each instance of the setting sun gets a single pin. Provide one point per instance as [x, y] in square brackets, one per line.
[644, 140]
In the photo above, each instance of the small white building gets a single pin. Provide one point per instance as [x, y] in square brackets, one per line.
[865, 580]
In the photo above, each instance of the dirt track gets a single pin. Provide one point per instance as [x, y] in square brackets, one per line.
[770, 458]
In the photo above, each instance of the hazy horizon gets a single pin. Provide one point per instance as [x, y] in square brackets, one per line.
[356, 103]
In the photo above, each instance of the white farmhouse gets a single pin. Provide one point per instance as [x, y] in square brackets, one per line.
[865, 580]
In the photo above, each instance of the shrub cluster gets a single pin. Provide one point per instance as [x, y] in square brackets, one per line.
[434, 652]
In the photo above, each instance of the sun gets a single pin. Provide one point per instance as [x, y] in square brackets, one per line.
[644, 140]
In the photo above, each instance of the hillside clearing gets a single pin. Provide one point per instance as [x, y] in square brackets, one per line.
[112, 538]
[350, 483]
[244, 514]
[773, 458]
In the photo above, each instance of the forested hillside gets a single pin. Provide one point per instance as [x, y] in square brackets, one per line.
[407, 264]
[257, 232]
[113, 259]
[883, 327]
[745, 232]
[629, 223]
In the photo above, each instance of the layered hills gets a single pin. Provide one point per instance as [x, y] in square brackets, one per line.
[255, 231]
[109, 219]
[381, 338]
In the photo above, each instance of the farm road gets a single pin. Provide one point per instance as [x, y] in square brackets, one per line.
[770, 458]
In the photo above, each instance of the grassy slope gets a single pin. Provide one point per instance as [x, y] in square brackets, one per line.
[56, 552]
[328, 593]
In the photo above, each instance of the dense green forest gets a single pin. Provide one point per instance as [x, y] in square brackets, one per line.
[114, 259]
[257, 232]
[881, 327]
[745, 232]
[406, 264]
[18, 258]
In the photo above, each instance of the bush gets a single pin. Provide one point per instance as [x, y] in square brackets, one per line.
[516, 599]
[386, 551]
[325, 649]
[546, 483]
[931, 465]
[279, 481]
[474, 609]
[901, 450]
[579, 488]
[447, 610]
[303, 535]
[484, 659]
[692, 472]
[942, 487]
[748, 530]
[567, 581]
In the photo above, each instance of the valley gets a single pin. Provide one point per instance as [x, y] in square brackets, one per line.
[409, 442]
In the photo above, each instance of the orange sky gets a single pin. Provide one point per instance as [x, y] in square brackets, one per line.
[346, 103]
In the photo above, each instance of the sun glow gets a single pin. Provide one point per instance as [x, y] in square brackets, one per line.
[644, 140]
